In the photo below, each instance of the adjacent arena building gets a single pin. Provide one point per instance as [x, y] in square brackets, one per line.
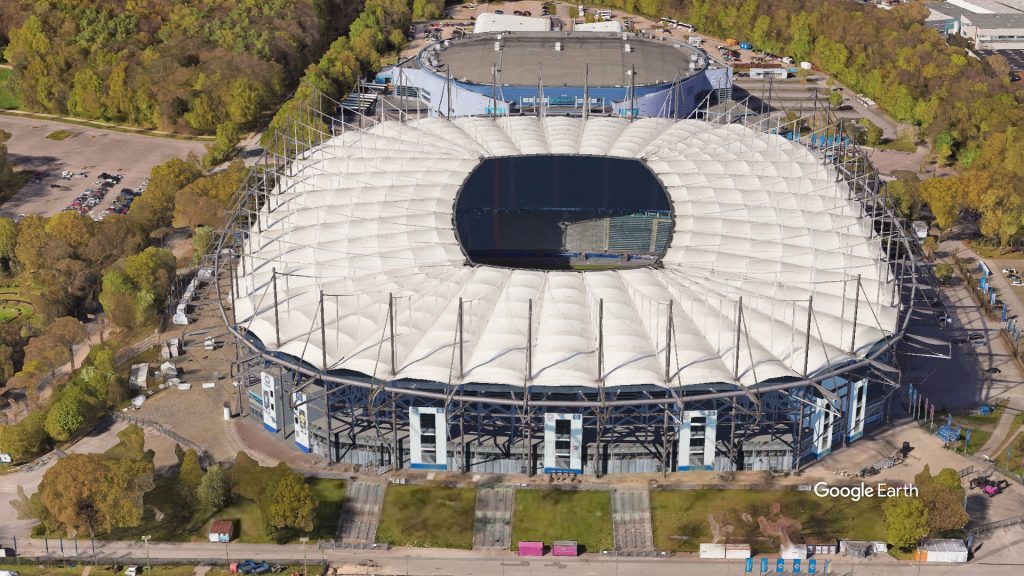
[518, 72]
[594, 295]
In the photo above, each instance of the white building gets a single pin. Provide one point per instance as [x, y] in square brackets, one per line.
[490, 22]
[606, 26]
[990, 24]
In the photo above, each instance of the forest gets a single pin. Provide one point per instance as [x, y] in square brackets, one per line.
[175, 65]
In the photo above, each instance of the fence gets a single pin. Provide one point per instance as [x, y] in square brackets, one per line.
[975, 530]
[336, 545]
[162, 430]
[132, 350]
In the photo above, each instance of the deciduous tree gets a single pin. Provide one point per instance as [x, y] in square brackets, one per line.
[289, 503]
[906, 521]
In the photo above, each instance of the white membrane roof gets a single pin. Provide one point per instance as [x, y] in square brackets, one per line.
[366, 218]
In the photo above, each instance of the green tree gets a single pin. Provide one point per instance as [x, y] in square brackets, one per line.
[872, 132]
[906, 521]
[246, 478]
[202, 239]
[835, 99]
[8, 242]
[929, 246]
[223, 145]
[26, 439]
[67, 415]
[943, 272]
[289, 503]
[213, 490]
[155, 209]
[190, 475]
[943, 495]
[133, 292]
[247, 99]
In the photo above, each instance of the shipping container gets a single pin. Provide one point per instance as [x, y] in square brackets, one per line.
[564, 548]
[531, 548]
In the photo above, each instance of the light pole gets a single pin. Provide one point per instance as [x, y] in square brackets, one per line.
[304, 540]
[146, 540]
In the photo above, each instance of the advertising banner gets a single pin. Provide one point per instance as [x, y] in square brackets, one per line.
[301, 416]
[563, 443]
[428, 444]
[268, 385]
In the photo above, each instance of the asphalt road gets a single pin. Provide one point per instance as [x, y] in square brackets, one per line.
[417, 562]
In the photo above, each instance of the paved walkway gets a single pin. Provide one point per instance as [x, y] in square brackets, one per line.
[1003, 553]
[360, 512]
[492, 523]
[631, 519]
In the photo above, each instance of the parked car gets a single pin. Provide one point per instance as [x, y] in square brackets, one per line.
[132, 570]
[993, 370]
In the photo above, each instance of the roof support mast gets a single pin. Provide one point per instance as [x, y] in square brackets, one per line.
[668, 344]
[391, 328]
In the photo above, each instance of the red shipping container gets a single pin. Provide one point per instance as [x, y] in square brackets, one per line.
[564, 548]
[531, 548]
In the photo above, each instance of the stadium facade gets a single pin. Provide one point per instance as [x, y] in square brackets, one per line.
[730, 301]
[518, 72]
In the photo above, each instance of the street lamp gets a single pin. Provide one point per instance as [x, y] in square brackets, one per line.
[146, 540]
[304, 540]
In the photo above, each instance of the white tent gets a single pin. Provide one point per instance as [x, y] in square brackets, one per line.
[758, 218]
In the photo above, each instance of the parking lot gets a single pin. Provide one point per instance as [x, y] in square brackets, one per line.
[87, 150]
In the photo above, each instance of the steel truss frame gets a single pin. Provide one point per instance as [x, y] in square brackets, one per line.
[616, 422]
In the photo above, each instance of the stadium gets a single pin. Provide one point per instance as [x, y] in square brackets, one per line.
[566, 295]
[517, 72]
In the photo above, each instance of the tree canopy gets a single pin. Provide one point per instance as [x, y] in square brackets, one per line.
[95, 493]
[170, 64]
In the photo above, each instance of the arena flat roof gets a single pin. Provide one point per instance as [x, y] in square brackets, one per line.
[524, 57]
[359, 242]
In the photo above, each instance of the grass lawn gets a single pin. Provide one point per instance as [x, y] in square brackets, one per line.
[8, 99]
[898, 145]
[548, 515]
[680, 517]
[978, 439]
[428, 516]
[248, 522]
[1015, 461]
[177, 526]
[60, 135]
[34, 569]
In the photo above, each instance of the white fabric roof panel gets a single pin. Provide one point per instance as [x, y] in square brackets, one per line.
[369, 215]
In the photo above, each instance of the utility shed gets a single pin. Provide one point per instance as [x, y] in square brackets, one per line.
[949, 550]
